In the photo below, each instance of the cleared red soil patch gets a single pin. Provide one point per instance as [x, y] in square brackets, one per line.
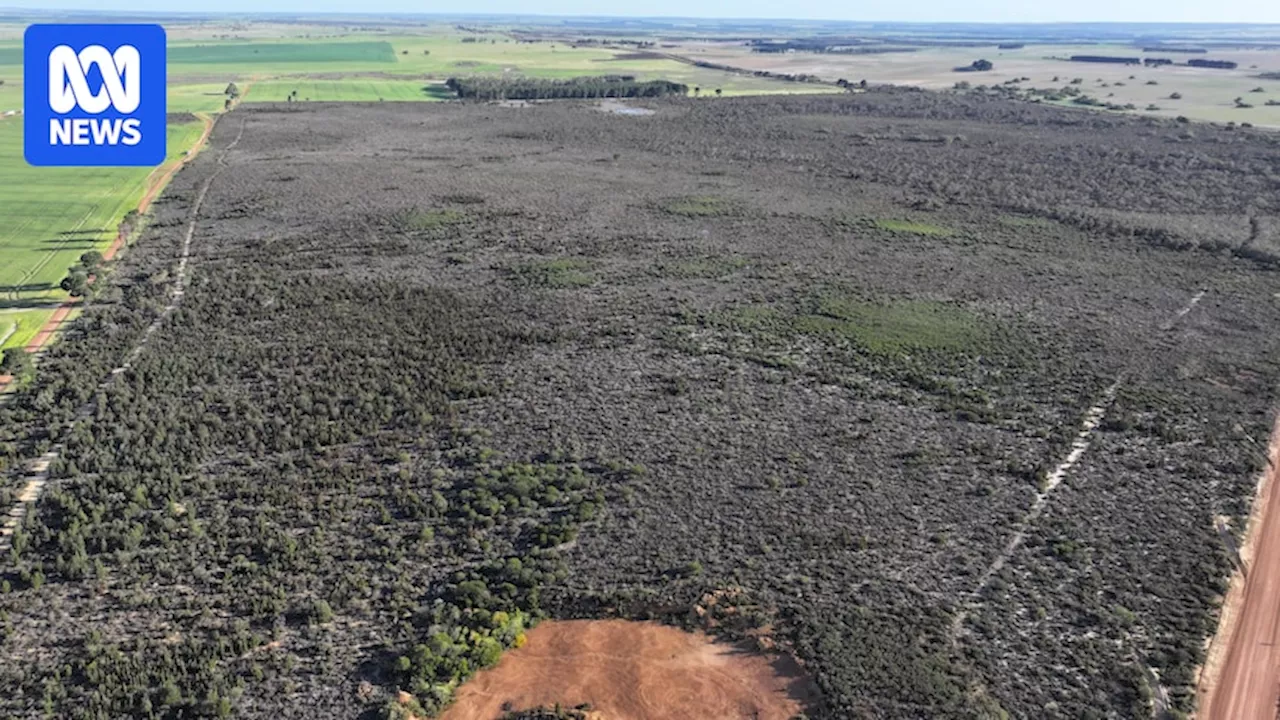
[634, 671]
[1249, 683]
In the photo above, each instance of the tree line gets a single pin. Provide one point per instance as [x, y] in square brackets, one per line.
[488, 88]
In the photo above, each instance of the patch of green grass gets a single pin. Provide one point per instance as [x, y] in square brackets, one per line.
[196, 97]
[353, 89]
[703, 267]
[558, 273]
[434, 219]
[700, 206]
[19, 327]
[10, 95]
[894, 327]
[263, 53]
[886, 328]
[913, 227]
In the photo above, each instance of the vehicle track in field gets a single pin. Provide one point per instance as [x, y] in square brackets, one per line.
[38, 472]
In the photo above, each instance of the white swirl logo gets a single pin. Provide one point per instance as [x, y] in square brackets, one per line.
[69, 86]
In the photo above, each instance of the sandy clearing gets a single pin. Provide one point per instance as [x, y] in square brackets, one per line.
[634, 671]
[1241, 681]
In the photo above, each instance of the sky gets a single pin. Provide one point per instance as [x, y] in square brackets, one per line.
[1256, 11]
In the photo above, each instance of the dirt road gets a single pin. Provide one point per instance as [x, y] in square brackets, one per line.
[1248, 685]
[633, 671]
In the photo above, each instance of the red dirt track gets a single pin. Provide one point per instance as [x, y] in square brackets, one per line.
[634, 671]
[51, 325]
[1248, 685]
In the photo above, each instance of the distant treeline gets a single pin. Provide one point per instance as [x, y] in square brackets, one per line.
[1219, 64]
[1106, 59]
[1171, 49]
[849, 45]
[800, 78]
[612, 86]
[829, 46]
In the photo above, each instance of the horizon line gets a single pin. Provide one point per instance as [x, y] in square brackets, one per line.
[574, 16]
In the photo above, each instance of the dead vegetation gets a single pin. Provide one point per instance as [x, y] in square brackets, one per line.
[465, 368]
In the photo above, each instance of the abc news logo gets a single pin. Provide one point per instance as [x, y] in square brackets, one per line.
[95, 95]
[69, 89]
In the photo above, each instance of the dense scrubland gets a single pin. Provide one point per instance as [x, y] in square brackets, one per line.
[440, 371]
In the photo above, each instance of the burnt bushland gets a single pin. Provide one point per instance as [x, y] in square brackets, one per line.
[442, 370]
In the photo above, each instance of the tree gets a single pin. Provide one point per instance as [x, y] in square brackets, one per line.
[16, 362]
[718, 92]
[321, 612]
[91, 260]
[76, 282]
[232, 91]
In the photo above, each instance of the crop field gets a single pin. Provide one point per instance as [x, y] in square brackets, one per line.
[438, 371]
[267, 54]
[349, 89]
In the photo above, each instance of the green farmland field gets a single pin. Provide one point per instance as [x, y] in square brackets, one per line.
[347, 90]
[18, 327]
[269, 53]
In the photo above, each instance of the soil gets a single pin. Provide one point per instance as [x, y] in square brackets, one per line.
[634, 671]
[1245, 687]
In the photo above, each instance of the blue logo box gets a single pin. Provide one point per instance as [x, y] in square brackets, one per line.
[94, 95]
